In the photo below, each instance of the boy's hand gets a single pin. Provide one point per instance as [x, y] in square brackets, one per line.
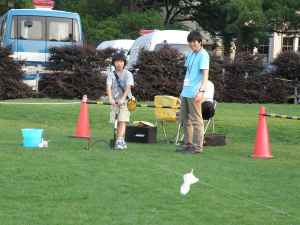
[121, 101]
[112, 102]
[199, 97]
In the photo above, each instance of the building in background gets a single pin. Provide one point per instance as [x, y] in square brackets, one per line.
[281, 42]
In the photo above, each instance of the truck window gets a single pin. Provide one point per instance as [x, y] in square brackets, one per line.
[28, 27]
[60, 29]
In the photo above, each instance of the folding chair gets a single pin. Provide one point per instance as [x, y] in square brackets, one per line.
[208, 118]
[166, 115]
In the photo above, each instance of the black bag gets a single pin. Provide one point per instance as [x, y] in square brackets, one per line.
[141, 134]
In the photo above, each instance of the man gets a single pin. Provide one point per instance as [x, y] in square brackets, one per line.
[192, 95]
[119, 83]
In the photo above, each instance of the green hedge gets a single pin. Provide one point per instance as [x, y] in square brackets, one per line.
[11, 84]
[75, 71]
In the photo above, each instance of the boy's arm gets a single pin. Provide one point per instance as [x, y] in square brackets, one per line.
[125, 94]
[109, 94]
[108, 90]
[129, 84]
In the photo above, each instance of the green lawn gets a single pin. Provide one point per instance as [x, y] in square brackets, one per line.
[67, 185]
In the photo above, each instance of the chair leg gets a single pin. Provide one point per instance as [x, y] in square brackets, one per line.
[178, 134]
[164, 129]
[182, 137]
[206, 126]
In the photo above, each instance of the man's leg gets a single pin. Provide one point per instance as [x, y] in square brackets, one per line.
[198, 125]
[186, 122]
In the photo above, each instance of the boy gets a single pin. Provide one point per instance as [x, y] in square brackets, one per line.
[118, 85]
[192, 95]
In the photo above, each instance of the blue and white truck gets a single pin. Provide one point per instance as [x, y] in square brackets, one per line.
[30, 33]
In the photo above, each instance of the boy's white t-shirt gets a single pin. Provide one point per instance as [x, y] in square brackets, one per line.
[125, 78]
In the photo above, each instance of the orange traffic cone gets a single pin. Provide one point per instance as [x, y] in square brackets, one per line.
[262, 148]
[83, 125]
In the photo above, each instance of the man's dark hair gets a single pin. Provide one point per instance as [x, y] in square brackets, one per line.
[194, 36]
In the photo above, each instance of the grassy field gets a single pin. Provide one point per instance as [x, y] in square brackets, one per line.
[67, 185]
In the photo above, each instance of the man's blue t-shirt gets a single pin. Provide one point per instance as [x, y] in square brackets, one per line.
[194, 63]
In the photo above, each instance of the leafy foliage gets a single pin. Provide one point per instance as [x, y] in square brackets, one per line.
[244, 82]
[281, 15]
[216, 75]
[241, 81]
[6, 4]
[76, 71]
[126, 25]
[11, 84]
[159, 73]
[107, 20]
[288, 65]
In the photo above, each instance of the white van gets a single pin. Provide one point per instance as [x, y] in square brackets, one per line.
[122, 44]
[157, 39]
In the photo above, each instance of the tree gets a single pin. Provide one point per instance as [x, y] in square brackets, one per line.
[7, 4]
[107, 19]
[218, 17]
[281, 15]
[249, 26]
[125, 25]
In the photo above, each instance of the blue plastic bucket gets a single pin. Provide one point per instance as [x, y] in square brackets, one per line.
[32, 137]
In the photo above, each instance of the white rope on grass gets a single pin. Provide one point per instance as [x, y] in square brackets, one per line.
[227, 193]
[274, 209]
[40, 103]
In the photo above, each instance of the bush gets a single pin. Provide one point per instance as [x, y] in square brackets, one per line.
[76, 71]
[159, 73]
[11, 84]
[244, 82]
[241, 79]
[288, 65]
[274, 90]
[216, 75]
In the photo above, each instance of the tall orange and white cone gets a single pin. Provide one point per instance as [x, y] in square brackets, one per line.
[262, 148]
[83, 124]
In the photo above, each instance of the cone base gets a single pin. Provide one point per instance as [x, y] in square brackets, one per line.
[262, 157]
[80, 137]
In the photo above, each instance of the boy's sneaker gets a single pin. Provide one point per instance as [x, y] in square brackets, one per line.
[119, 145]
[124, 144]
